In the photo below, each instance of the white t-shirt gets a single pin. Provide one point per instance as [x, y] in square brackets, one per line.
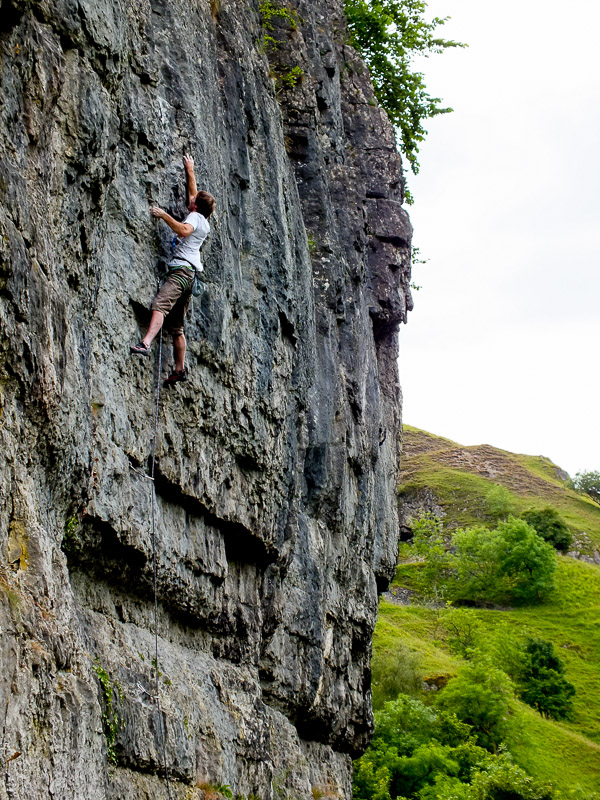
[187, 249]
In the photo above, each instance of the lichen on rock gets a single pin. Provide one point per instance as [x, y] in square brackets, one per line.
[276, 461]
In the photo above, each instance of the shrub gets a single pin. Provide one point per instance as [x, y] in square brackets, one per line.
[508, 564]
[394, 672]
[411, 745]
[497, 779]
[588, 483]
[550, 526]
[477, 563]
[404, 724]
[430, 755]
[428, 541]
[464, 630]
[499, 502]
[528, 563]
[503, 780]
[480, 697]
[542, 682]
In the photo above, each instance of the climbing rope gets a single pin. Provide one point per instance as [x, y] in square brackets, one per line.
[161, 723]
[162, 733]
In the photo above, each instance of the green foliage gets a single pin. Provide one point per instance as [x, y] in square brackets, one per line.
[407, 750]
[464, 630]
[542, 681]
[508, 564]
[588, 483]
[550, 526]
[500, 779]
[217, 791]
[480, 696]
[415, 252]
[428, 542]
[527, 563]
[287, 80]
[499, 502]
[476, 561]
[427, 754]
[503, 780]
[70, 538]
[418, 770]
[565, 753]
[394, 672]
[268, 11]
[387, 34]
[404, 724]
[111, 719]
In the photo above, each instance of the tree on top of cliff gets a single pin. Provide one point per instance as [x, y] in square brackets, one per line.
[387, 34]
[588, 483]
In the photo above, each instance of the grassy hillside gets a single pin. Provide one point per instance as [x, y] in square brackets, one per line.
[457, 480]
[460, 478]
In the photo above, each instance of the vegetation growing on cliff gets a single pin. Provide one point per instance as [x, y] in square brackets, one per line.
[388, 34]
[111, 719]
[286, 77]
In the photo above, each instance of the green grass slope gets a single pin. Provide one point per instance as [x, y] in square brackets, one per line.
[566, 753]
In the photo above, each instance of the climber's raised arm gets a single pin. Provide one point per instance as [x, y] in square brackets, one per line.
[182, 229]
[192, 189]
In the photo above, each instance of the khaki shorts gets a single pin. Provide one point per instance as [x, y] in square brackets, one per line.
[173, 299]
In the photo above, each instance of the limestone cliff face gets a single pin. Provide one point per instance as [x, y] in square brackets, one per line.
[276, 462]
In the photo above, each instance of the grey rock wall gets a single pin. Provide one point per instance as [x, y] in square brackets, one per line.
[276, 462]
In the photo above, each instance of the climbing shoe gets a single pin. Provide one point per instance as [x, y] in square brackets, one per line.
[176, 376]
[140, 349]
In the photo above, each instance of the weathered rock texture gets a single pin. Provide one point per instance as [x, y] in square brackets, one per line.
[276, 462]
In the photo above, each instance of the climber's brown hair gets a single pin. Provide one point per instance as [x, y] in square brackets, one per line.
[205, 204]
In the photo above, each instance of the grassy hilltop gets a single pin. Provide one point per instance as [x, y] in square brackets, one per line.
[461, 478]
[416, 642]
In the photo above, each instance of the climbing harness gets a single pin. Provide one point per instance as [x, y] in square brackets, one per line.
[198, 285]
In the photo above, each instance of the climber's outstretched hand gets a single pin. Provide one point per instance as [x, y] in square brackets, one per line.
[157, 212]
[188, 162]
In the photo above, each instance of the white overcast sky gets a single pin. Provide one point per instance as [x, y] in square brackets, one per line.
[503, 345]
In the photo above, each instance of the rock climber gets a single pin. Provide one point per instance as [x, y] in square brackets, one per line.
[173, 298]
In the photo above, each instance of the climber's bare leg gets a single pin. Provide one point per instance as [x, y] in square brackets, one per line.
[156, 322]
[179, 345]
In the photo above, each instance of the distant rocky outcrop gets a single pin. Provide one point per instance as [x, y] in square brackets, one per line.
[276, 462]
